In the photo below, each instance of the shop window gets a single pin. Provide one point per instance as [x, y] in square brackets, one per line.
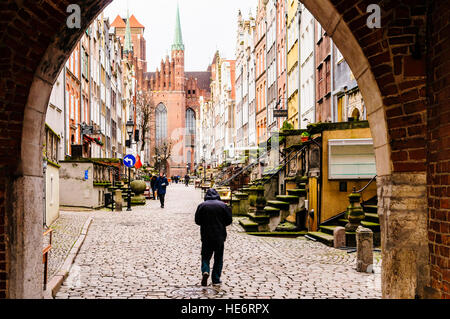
[351, 159]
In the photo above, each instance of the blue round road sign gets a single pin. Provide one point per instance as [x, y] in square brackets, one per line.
[129, 161]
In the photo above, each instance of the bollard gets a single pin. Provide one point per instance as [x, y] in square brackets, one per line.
[364, 250]
[339, 237]
[119, 200]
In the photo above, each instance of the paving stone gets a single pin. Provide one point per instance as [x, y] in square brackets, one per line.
[150, 252]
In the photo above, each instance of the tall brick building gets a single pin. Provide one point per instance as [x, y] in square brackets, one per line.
[138, 42]
[176, 96]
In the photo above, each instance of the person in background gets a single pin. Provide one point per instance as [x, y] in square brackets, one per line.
[153, 185]
[186, 180]
[213, 216]
[161, 185]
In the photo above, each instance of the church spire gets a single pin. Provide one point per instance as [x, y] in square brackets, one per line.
[128, 46]
[178, 41]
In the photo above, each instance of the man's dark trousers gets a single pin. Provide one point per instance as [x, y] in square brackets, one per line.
[208, 249]
[161, 199]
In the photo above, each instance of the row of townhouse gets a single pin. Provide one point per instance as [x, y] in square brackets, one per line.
[90, 105]
[286, 69]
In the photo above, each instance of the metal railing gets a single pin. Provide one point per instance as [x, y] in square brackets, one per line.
[243, 170]
[368, 184]
[286, 162]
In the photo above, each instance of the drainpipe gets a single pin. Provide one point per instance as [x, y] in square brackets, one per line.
[65, 113]
[286, 44]
[45, 192]
[299, 115]
[267, 82]
[314, 70]
[332, 81]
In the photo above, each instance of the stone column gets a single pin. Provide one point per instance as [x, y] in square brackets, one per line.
[364, 250]
[25, 236]
[402, 209]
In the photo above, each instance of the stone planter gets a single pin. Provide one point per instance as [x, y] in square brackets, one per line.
[355, 213]
[252, 193]
[243, 203]
[138, 188]
[260, 201]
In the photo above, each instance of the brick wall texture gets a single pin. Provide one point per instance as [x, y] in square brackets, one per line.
[397, 54]
[438, 136]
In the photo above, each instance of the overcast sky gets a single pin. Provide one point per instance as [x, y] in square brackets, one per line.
[207, 25]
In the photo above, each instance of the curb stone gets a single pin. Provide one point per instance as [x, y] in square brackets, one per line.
[55, 283]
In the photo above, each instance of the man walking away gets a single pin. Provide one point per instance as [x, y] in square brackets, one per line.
[213, 216]
[186, 180]
[161, 184]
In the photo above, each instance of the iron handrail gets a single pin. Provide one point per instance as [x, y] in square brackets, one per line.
[364, 188]
[286, 162]
[244, 169]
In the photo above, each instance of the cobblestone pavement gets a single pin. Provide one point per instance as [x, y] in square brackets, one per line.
[66, 230]
[155, 253]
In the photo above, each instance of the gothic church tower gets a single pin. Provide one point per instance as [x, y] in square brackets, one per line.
[178, 55]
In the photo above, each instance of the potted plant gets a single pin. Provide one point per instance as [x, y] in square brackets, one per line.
[304, 137]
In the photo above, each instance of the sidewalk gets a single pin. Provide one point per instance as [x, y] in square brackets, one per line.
[66, 230]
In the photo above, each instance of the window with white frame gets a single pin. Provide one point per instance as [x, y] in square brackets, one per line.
[351, 159]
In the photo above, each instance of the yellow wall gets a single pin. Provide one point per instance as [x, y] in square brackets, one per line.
[292, 8]
[313, 203]
[292, 58]
[292, 64]
[293, 110]
[334, 202]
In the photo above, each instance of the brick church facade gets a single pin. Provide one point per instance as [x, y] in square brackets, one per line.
[175, 95]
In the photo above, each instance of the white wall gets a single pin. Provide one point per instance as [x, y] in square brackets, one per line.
[307, 71]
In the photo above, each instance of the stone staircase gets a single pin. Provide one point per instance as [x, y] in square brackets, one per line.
[371, 221]
[279, 216]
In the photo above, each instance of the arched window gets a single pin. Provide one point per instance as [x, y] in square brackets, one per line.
[190, 122]
[161, 123]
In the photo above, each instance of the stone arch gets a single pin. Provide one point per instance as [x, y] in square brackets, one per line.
[388, 65]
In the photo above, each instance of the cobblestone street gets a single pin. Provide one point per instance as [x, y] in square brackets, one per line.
[155, 253]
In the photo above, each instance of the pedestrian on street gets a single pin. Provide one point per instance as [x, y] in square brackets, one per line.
[153, 185]
[161, 184]
[186, 180]
[213, 216]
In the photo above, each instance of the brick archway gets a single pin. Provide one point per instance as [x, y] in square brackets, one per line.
[388, 63]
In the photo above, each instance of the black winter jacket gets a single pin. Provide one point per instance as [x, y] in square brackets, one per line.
[213, 216]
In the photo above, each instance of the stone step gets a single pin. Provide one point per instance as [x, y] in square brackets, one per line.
[328, 229]
[327, 239]
[278, 204]
[371, 209]
[248, 225]
[259, 219]
[300, 192]
[272, 211]
[375, 227]
[291, 199]
[286, 227]
[372, 217]
[283, 234]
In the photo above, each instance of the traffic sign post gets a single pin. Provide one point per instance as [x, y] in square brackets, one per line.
[129, 161]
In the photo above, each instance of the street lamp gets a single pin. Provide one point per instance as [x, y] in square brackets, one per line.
[204, 170]
[130, 128]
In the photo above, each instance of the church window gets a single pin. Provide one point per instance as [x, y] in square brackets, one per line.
[161, 123]
[190, 121]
